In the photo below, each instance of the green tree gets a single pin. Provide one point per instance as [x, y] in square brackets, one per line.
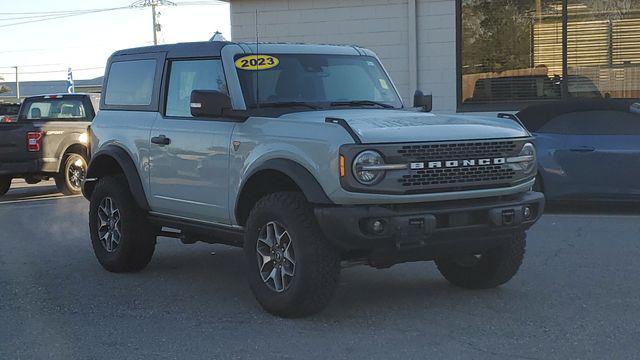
[496, 35]
[3, 88]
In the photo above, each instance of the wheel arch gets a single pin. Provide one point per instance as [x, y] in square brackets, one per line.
[113, 160]
[75, 148]
[277, 175]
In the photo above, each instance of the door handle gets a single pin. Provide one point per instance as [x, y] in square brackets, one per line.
[583, 149]
[161, 140]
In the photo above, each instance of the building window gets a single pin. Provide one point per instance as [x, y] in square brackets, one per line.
[513, 52]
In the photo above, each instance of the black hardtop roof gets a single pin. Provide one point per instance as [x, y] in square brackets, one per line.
[187, 49]
[201, 48]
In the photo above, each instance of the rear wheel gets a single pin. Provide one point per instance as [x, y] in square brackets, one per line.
[485, 270]
[5, 184]
[122, 238]
[69, 180]
[292, 269]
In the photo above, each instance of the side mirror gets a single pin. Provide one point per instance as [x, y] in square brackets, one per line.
[423, 101]
[209, 103]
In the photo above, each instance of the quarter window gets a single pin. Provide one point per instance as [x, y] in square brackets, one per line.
[188, 75]
[130, 83]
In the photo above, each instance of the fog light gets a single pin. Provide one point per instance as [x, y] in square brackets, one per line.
[377, 226]
[526, 212]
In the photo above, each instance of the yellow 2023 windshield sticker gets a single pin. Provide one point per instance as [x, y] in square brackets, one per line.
[257, 62]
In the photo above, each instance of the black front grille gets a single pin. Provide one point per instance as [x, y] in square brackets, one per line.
[455, 151]
[443, 178]
[439, 167]
[455, 176]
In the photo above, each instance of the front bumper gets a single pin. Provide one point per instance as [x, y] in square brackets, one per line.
[438, 227]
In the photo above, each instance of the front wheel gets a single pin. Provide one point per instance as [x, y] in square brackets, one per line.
[292, 269]
[122, 238]
[5, 184]
[485, 270]
[74, 170]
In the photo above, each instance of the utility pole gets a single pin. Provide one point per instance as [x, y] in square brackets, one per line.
[156, 26]
[17, 84]
[153, 4]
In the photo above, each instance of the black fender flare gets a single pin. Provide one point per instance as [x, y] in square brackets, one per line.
[124, 161]
[296, 172]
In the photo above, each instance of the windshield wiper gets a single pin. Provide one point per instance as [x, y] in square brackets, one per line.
[360, 103]
[288, 104]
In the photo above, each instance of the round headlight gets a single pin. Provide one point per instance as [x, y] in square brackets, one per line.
[361, 173]
[528, 150]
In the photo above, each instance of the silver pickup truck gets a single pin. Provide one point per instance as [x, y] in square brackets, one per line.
[306, 157]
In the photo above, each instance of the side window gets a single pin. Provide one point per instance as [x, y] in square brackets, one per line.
[130, 82]
[188, 75]
[597, 122]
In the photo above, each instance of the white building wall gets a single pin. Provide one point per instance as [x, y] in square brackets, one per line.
[437, 61]
[380, 25]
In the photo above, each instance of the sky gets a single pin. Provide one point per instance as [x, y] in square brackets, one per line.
[44, 50]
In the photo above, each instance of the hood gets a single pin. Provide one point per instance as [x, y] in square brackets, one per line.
[387, 126]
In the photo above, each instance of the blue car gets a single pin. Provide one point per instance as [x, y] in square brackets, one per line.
[587, 149]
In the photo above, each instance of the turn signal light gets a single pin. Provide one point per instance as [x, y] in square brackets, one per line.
[342, 171]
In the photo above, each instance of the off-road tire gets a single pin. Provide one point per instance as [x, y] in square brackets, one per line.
[138, 236]
[495, 267]
[64, 182]
[317, 265]
[5, 184]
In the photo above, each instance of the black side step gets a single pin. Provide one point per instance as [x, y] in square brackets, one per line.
[200, 231]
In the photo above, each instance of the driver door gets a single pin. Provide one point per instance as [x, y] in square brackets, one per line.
[189, 156]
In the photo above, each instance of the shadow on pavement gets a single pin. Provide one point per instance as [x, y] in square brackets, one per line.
[23, 191]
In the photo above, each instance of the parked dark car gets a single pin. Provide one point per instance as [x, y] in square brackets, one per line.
[587, 149]
[9, 112]
[48, 140]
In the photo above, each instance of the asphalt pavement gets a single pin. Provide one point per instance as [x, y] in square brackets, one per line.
[577, 296]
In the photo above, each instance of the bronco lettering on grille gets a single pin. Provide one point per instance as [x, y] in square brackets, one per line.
[457, 163]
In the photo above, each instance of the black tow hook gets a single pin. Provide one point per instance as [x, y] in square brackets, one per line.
[511, 216]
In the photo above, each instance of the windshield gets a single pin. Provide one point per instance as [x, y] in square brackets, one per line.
[53, 109]
[317, 80]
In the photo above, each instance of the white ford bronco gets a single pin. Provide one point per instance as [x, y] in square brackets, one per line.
[306, 157]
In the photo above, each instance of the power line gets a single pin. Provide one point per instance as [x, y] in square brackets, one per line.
[39, 16]
[34, 65]
[63, 16]
[53, 12]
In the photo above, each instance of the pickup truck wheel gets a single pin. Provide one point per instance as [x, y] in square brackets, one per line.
[5, 184]
[489, 269]
[69, 180]
[292, 269]
[122, 238]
